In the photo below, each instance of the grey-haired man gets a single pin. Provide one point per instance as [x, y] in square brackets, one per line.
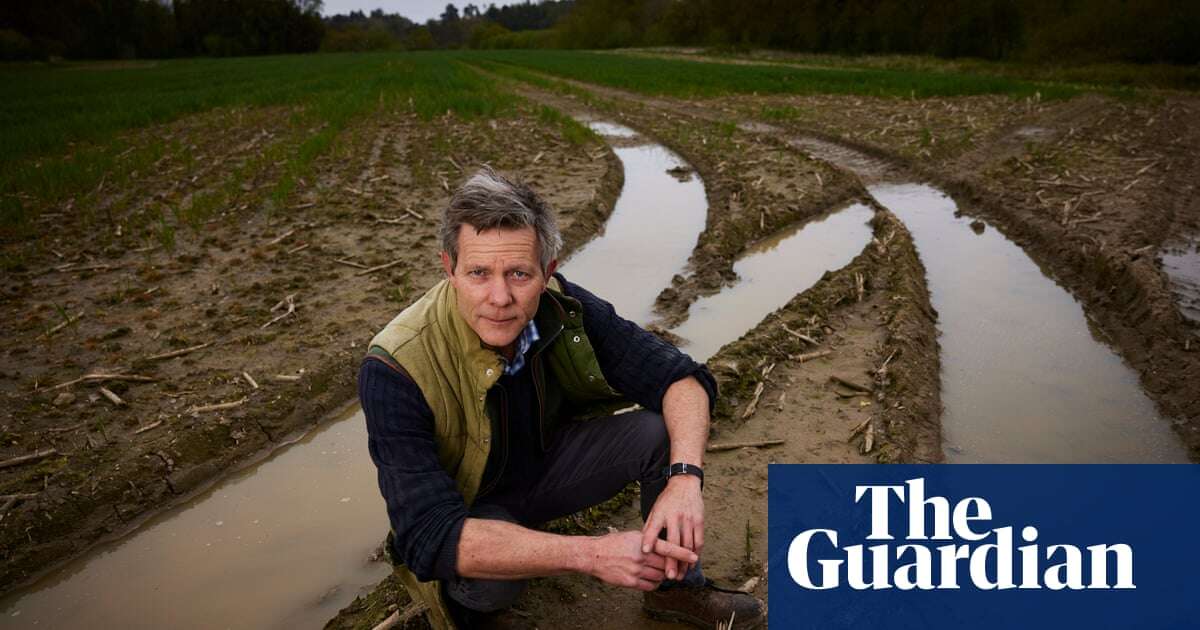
[473, 397]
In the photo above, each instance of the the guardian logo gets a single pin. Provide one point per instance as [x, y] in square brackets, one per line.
[973, 554]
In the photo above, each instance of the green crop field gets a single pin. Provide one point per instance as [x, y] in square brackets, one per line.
[61, 127]
[64, 128]
[688, 78]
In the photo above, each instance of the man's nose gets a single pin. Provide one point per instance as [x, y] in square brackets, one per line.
[499, 293]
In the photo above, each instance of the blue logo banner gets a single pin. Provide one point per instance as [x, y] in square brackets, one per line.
[984, 546]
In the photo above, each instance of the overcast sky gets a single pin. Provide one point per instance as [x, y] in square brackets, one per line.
[415, 10]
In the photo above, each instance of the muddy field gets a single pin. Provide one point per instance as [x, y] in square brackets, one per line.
[241, 332]
[154, 346]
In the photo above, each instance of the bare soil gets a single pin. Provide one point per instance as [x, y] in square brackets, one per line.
[269, 308]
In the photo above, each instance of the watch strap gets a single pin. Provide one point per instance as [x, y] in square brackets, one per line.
[680, 468]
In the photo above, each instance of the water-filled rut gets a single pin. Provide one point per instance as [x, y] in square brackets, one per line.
[1024, 377]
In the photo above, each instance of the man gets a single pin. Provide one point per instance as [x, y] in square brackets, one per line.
[472, 397]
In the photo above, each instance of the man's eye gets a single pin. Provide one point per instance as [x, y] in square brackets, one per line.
[478, 273]
[521, 275]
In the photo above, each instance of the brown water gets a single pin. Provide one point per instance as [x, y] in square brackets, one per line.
[651, 233]
[282, 544]
[1181, 262]
[285, 543]
[771, 273]
[1023, 377]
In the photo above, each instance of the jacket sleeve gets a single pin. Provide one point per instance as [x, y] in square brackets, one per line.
[636, 362]
[424, 505]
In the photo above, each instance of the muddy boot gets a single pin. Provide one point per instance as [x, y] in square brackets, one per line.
[704, 606]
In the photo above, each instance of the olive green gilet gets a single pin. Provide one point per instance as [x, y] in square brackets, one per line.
[447, 360]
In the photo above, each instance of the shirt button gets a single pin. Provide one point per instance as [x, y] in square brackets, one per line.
[490, 371]
[576, 338]
[487, 440]
[591, 377]
[571, 314]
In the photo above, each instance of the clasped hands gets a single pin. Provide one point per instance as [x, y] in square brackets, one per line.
[642, 560]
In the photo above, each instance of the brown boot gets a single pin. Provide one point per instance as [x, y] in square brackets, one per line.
[704, 606]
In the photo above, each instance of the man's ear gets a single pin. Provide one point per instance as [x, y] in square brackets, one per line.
[550, 269]
[446, 265]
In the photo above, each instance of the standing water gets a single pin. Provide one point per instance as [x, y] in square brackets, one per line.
[1023, 378]
[652, 231]
[287, 543]
[773, 272]
[1181, 262]
[282, 544]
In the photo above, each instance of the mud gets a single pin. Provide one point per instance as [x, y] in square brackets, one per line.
[216, 284]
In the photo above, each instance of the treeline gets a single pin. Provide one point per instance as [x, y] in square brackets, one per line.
[472, 27]
[1031, 30]
[126, 29]
[1061, 30]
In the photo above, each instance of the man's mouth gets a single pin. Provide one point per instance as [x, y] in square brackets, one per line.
[500, 320]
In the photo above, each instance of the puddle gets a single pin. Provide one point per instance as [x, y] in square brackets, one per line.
[649, 236]
[285, 543]
[1023, 379]
[282, 544]
[771, 274]
[1181, 262]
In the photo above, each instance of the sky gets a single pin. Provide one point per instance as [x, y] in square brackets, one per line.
[415, 10]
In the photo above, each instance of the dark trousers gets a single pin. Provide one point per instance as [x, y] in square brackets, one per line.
[587, 463]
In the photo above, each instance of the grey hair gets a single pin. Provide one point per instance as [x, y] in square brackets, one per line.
[489, 200]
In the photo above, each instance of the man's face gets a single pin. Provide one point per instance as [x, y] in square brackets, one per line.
[499, 281]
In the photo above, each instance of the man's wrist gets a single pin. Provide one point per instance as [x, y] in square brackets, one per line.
[685, 481]
[585, 555]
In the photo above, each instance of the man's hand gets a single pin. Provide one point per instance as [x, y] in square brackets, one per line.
[679, 510]
[617, 559]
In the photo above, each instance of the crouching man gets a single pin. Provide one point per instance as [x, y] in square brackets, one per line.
[476, 397]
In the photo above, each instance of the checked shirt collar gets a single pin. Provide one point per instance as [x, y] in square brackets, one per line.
[529, 335]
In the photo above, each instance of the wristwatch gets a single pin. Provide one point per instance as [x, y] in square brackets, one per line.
[680, 468]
